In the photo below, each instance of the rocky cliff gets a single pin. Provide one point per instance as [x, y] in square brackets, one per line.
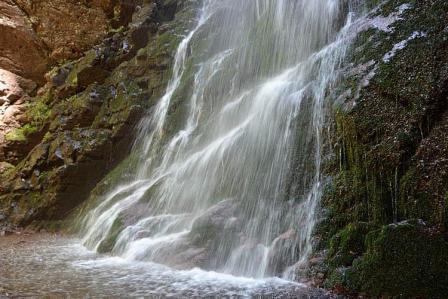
[76, 77]
[386, 208]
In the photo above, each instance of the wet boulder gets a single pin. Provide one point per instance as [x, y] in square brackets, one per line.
[407, 258]
[215, 221]
[283, 252]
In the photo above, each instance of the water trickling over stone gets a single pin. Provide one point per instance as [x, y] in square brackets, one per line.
[229, 178]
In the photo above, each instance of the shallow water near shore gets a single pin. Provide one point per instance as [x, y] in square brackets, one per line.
[59, 266]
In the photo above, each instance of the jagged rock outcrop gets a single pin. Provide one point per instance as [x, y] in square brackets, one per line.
[387, 206]
[68, 28]
[35, 36]
[80, 124]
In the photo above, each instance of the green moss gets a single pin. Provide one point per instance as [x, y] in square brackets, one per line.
[82, 64]
[6, 171]
[117, 12]
[385, 169]
[21, 134]
[109, 242]
[39, 111]
[120, 29]
[412, 204]
[445, 211]
[47, 137]
[348, 244]
[360, 190]
[342, 279]
[403, 260]
[78, 102]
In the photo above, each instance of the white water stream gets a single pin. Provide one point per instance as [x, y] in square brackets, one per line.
[229, 178]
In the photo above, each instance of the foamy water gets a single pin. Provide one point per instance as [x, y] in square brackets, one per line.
[54, 266]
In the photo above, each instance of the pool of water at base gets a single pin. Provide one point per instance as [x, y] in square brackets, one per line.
[55, 266]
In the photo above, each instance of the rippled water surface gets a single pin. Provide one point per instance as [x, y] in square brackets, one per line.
[58, 266]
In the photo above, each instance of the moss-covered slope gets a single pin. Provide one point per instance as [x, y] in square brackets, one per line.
[391, 162]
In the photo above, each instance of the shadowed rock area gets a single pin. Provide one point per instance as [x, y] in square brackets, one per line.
[386, 207]
[61, 133]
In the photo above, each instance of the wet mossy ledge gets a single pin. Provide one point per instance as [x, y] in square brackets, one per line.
[385, 210]
[406, 259]
[82, 123]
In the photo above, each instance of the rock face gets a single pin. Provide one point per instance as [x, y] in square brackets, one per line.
[88, 25]
[391, 162]
[22, 51]
[60, 138]
[37, 35]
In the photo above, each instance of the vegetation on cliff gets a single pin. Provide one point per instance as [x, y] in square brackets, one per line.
[390, 162]
[81, 123]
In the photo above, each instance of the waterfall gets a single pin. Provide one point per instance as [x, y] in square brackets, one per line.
[229, 174]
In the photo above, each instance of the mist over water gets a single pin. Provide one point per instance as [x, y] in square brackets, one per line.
[229, 174]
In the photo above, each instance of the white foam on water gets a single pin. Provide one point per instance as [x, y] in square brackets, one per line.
[173, 282]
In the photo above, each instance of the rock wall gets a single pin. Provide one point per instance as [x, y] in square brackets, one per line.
[64, 134]
[37, 35]
[386, 209]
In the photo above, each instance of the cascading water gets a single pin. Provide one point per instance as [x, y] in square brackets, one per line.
[229, 178]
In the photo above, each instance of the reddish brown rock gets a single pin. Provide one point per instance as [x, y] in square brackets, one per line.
[67, 28]
[21, 50]
[12, 87]
[34, 35]
[80, 124]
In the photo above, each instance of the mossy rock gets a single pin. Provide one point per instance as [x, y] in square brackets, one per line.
[348, 244]
[109, 242]
[407, 259]
[389, 140]
[21, 134]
